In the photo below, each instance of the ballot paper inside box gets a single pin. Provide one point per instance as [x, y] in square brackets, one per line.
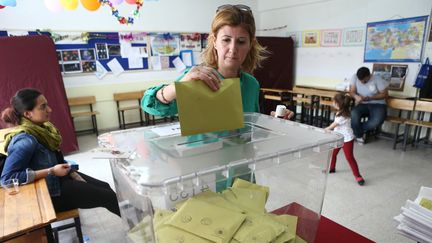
[168, 170]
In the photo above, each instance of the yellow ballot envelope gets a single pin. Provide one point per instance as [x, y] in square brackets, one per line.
[203, 110]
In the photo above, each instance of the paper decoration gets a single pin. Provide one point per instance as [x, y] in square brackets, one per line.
[135, 62]
[310, 38]
[17, 33]
[116, 14]
[190, 41]
[296, 36]
[178, 64]
[354, 36]
[115, 67]
[116, 2]
[156, 62]
[165, 44]
[100, 70]
[331, 38]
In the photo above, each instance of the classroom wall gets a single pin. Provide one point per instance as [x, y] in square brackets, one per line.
[313, 66]
[328, 66]
[156, 16]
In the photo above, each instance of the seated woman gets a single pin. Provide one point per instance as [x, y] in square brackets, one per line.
[33, 148]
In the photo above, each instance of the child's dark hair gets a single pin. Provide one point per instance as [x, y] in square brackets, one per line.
[344, 103]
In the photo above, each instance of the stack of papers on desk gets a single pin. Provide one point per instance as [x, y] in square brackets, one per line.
[415, 221]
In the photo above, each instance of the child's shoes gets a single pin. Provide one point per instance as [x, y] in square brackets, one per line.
[360, 180]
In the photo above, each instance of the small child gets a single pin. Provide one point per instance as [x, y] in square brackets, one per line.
[342, 125]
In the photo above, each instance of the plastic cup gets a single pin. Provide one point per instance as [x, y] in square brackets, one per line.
[11, 186]
[280, 111]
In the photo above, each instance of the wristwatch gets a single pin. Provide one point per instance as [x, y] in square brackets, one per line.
[51, 171]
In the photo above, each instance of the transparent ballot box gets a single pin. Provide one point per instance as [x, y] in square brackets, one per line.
[262, 183]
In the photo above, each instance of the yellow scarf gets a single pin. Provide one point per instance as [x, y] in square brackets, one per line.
[47, 134]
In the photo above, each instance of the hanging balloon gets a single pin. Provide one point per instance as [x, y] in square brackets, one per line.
[9, 3]
[53, 5]
[116, 2]
[131, 1]
[69, 4]
[91, 5]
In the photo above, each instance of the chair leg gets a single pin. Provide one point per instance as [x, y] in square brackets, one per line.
[123, 126]
[141, 118]
[396, 136]
[407, 128]
[78, 229]
[49, 234]
[95, 126]
[119, 119]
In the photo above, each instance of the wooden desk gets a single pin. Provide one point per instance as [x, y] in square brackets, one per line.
[26, 211]
[275, 94]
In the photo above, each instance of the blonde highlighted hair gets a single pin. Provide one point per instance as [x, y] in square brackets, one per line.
[233, 16]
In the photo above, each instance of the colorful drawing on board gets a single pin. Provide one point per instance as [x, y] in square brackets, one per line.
[165, 44]
[70, 55]
[331, 38]
[87, 54]
[190, 41]
[88, 66]
[353, 36]
[310, 38]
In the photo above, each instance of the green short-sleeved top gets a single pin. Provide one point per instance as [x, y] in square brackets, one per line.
[249, 90]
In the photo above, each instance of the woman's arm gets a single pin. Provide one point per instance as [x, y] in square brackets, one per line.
[17, 163]
[57, 170]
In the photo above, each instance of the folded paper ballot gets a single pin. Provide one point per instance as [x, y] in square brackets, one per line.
[211, 217]
[415, 221]
[203, 110]
[207, 220]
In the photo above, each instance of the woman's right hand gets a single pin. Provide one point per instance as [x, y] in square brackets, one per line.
[61, 169]
[206, 74]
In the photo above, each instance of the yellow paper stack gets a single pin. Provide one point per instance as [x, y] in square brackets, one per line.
[236, 215]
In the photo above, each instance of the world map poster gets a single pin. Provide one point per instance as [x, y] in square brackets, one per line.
[399, 40]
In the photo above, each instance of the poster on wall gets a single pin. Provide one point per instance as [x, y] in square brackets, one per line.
[190, 41]
[296, 36]
[399, 40]
[393, 74]
[331, 38]
[353, 36]
[310, 38]
[167, 44]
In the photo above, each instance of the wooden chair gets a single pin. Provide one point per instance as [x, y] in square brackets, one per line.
[422, 107]
[129, 98]
[71, 214]
[84, 102]
[400, 105]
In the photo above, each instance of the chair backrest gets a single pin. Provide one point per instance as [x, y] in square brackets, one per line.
[84, 100]
[425, 106]
[400, 104]
[128, 95]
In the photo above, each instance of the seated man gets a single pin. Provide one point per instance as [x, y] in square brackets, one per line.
[370, 93]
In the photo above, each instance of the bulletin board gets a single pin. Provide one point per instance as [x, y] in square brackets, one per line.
[79, 52]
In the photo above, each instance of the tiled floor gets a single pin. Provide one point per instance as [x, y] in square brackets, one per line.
[392, 177]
